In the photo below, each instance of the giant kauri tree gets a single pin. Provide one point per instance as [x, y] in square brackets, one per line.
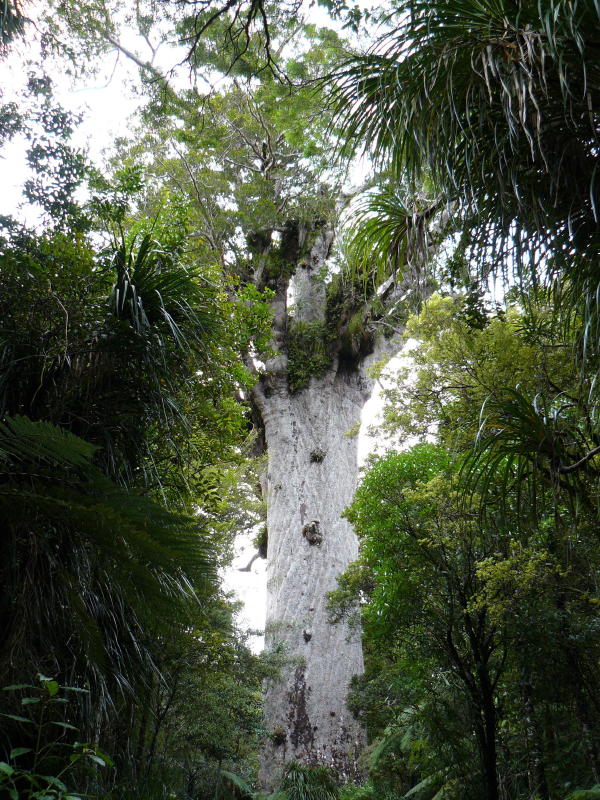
[267, 203]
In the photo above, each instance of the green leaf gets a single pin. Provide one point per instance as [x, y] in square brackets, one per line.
[15, 686]
[54, 781]
[585, 794]
[16, 718]
[19, 751]
[238, 782]
[97, 759]
[52, 687]
[426, 784]
[27, 701]
[106, 757]
[66, 725]
[6, 768]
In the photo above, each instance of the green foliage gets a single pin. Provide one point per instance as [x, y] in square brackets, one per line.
[55, 758]
[261, 541]
[58, 169]
[480, 559]
[352, 432]
[457, 366]
[161, 322]
[416, 578]
[351, 309]
[121, 357]
[12, 23]
[355, 331]
[308, 353]
[351, 792]
[301, 782]
[260, 145]
[388, 233]
[584, 794]
[506, 85]
[151, 290]
[238, 783]
[108, 563]
[206, 718]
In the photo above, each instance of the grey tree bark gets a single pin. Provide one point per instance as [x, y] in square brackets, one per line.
[312, 474]
[311, 478]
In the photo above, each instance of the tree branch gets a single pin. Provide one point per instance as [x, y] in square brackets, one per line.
[581, 463]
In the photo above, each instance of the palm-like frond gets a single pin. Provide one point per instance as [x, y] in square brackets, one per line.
[526, 446]
[114, 379]
[387, 234]
[11, 21]
[496, 102]
[153, 290]
[308, 783]
[240, 784]
[402, 737]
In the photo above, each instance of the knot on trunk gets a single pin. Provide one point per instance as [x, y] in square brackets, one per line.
[312, 533]
[317, 455]
[278, 737]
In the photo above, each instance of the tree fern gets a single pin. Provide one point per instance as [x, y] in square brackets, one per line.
[22, 440]
[105, 565]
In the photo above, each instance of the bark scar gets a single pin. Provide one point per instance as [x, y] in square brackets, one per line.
[302, 513]
[301, 731]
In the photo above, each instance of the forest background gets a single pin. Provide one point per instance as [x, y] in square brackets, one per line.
[133, 320]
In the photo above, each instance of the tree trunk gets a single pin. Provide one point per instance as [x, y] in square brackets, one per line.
[538, 785]
[488, 746]
[312, 476]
